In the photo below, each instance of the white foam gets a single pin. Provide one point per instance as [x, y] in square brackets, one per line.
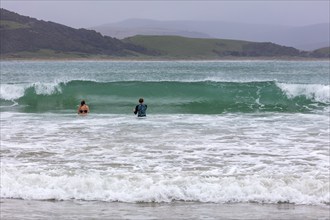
[137, 187]
[16, 91]
[265, 158]
[47, 88]
[12, 91]
[317, 92]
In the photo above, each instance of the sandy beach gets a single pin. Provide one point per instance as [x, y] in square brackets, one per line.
[33, 209]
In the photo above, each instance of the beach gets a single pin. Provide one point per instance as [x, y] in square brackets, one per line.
[31, 209]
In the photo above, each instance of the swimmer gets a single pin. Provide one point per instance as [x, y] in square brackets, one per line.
[83, 109]
[140, 109]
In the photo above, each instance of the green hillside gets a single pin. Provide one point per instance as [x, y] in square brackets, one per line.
[322, 52]
[11, 25]
[186, 48]
[26, 37]
[23, 37]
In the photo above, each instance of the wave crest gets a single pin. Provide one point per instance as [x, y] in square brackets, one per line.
[319, 93]
[203, 97]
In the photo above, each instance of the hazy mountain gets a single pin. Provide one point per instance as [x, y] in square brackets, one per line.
[134, 27]
[304, 38]
[309, 37]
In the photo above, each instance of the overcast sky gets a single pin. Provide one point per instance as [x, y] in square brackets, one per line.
[88, 13]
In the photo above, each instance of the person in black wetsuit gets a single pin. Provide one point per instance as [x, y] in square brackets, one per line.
[83, 109]
[140, 109]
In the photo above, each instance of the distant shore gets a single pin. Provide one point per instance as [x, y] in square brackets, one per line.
[167, 59]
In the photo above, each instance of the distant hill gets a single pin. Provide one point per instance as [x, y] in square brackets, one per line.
[134, 27]
[29, 38]
[22, 36]
[181, 47]
[322, 52]
[309, 37]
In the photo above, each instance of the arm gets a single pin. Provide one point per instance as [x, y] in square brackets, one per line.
[136, 110]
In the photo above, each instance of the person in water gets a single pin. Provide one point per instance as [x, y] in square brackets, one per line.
[83, 109]
[141, 109]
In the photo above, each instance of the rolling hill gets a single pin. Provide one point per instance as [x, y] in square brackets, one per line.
[322, 52]
[177, 47]
[24, 37]
[309, 37]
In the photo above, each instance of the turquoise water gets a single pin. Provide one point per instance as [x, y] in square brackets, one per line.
[215, 132]
[168, 87]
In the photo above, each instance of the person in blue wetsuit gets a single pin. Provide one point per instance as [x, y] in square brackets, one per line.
[140, 109]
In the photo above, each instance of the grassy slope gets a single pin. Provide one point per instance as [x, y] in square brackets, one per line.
[61, 42]
[181, 47]
[12, 25]
[324, 50]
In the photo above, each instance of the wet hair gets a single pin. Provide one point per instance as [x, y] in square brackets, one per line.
[141, 100]
[82, 103]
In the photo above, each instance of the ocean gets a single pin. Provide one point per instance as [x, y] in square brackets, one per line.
[219, 135]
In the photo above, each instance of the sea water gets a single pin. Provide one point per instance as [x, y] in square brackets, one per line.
[215, 132]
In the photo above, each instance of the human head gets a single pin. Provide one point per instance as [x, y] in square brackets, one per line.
[82, 102]
[141, 100]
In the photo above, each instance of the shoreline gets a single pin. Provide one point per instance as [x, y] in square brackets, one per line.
[166, 60]
[75, 209]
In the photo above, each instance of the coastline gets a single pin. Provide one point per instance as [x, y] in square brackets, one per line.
[75, 209]
[116, 59]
